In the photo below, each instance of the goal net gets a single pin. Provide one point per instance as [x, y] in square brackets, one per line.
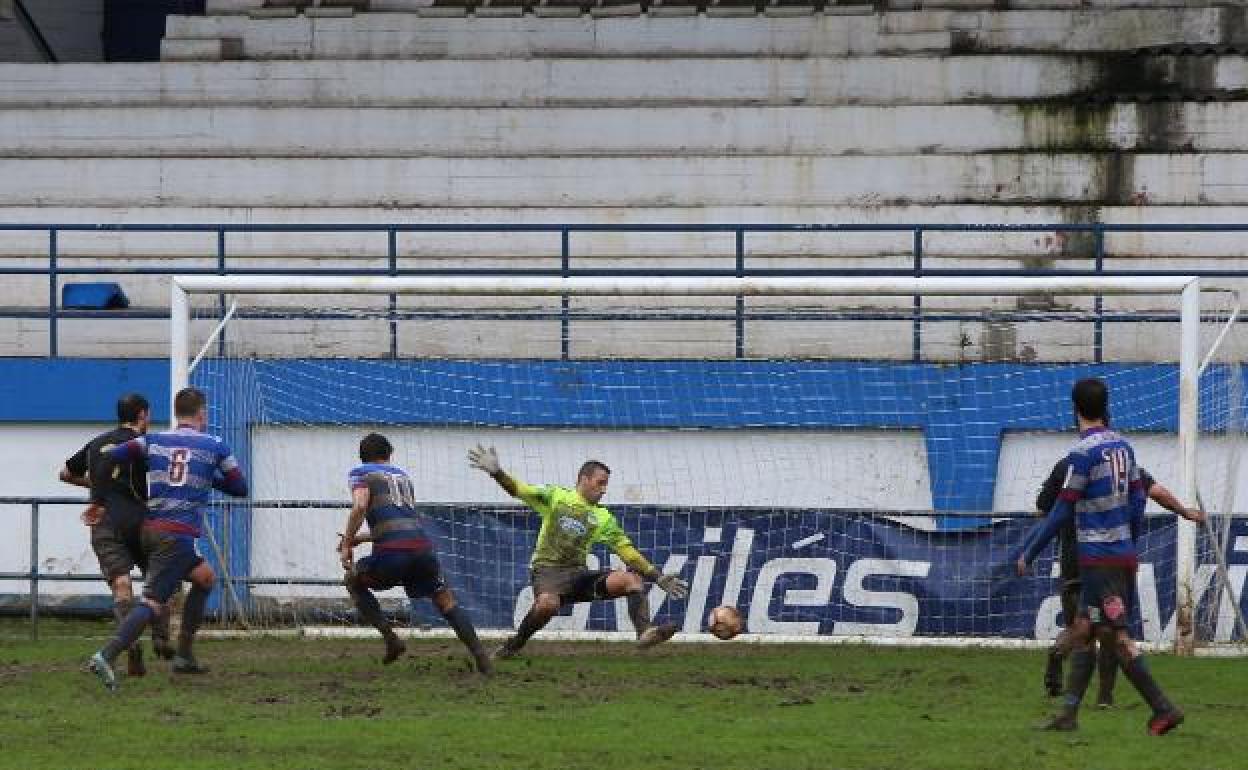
[837, 457]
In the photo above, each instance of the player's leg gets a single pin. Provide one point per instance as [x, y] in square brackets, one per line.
[1117, 606]
[459, 621]
[202, 578]
[116, 560]
[161, 645]
[1071, 588]
[163, 579]
[376, 571]
[619, 583]
[552, 586]
[1106, 668]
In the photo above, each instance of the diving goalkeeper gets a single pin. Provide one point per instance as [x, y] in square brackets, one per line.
[572, 522]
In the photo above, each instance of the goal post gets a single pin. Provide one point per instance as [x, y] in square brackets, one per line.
[810, 292]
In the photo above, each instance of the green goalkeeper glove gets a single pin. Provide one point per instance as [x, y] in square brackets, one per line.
[675, 587]
[484, 459]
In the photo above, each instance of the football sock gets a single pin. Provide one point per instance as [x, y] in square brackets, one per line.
[459, 620]
[1106, 669]
[192, 617]
[1081, 665]
[121, 609]
[130, 630]
[639, 611]
[529, 626]
[370, 609]
[1138, 674]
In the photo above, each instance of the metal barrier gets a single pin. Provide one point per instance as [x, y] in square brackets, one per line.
[741, 267]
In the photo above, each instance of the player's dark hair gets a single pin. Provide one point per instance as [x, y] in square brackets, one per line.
[590, 466]
[1091, 399]
[130, 406]
[375, 448]
[188, 402]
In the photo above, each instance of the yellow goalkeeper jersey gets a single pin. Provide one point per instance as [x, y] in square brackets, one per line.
[570, 526]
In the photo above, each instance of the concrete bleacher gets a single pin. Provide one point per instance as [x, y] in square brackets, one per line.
[389, 111]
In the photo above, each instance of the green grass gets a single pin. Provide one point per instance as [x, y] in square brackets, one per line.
[272, 703]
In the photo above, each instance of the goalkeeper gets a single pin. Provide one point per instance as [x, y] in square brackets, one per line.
[573, 521]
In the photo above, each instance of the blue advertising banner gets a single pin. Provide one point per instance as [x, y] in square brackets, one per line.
[825, 572]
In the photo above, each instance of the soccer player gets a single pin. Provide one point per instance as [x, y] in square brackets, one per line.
[184, 466]
[402, 554]
[115, 526]
[1105, 496]
[572, 521]
[1107, 656]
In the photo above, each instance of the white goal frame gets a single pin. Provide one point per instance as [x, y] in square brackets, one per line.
[1188, 289]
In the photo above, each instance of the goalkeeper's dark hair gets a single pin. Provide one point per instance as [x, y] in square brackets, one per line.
[375, 448]
[590, 467]
[1091, 399]
[130, 406]
[188, 402]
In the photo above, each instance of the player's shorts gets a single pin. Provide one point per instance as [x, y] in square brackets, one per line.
[417, 571]
[1108, 595]
[171, 558]
[572, 584]
[117, 550]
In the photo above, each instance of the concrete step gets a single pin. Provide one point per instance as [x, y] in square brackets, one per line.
[501, 248]
[623, 82]
[1074, 178]
[406, 35]
[568, 132]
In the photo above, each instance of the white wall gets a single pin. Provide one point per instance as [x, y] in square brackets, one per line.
[40, 450]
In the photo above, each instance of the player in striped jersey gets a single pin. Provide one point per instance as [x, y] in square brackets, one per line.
[382, 494]
[1104, 494]
[572, 522]
[184, 466]
[1068, 559]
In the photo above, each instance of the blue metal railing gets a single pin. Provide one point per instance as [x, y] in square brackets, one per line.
[741, 266]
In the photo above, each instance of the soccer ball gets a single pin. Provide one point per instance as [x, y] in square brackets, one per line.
[724, 622]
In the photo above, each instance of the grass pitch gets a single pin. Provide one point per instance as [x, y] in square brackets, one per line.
[296, 703]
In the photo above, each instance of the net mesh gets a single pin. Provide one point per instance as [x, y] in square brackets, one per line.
[840, 466]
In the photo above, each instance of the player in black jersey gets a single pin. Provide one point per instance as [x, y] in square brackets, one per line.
[115, 526]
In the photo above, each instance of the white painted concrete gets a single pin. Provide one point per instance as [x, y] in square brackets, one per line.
[385, 35]
[568, 132]
[1186, 179]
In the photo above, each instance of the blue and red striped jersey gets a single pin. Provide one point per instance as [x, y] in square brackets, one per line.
[392, 516]
[183, 467]
[1104, 494]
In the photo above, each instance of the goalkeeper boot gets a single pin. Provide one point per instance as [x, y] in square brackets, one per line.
[188, 665]
[99, 665]
[134, 661]
[1053, 674]
[506, 650]
[162, 649]
[394, 648]
[655, 635]
[1105, 699]
[1162, 723]
[1065, 721]
[485, 666]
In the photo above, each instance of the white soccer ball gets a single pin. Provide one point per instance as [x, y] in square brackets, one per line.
[725, 622]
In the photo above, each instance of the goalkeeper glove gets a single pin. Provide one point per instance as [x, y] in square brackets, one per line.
[675, 587]
[484, 459]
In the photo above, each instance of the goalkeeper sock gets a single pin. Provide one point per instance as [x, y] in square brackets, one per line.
[192, 617]
[459, 620]
[160, 627]
[1138, 674]
[529, 626]
[1081, 664]
[639, 611]
[1107, 671]
[130, 630]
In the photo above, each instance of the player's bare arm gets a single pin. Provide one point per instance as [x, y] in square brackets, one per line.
[355, 519]
[1161, 495]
